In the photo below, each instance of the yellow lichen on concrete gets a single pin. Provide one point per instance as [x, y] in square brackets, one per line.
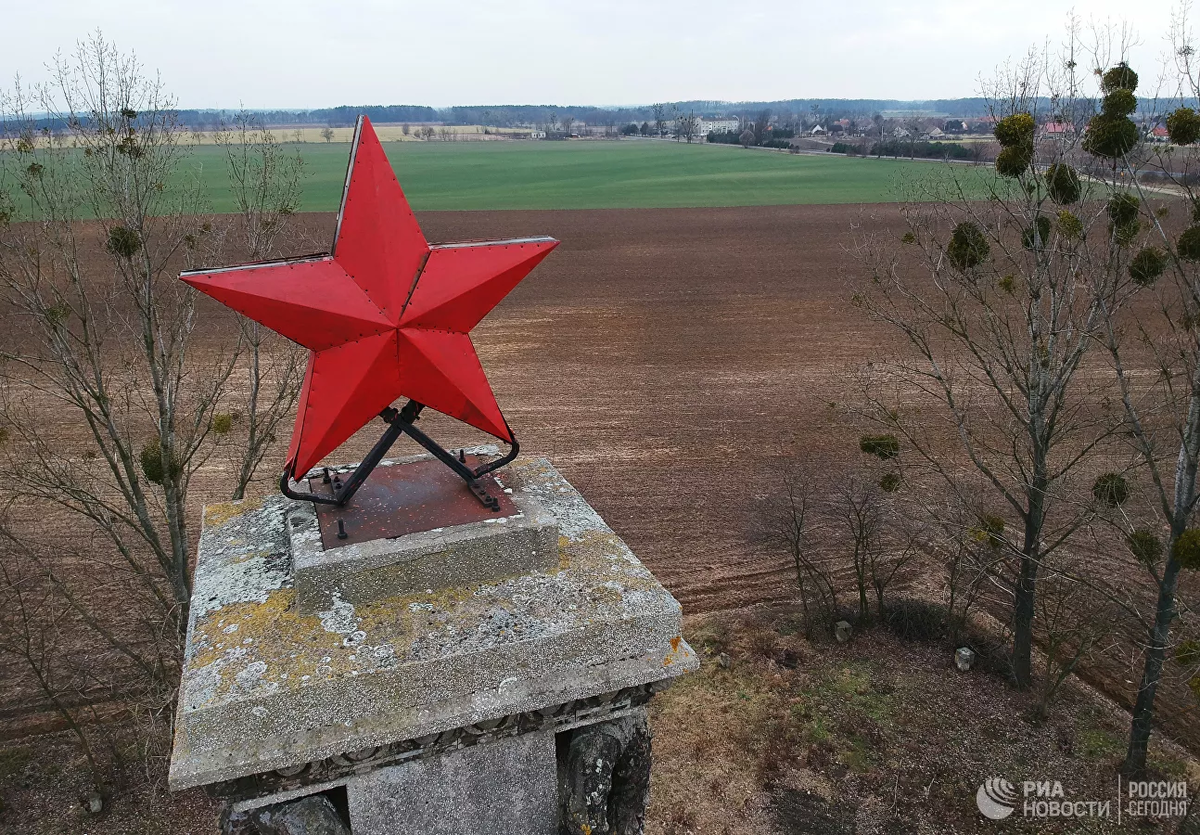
[295, 649]
[216, 515]
[679, 652]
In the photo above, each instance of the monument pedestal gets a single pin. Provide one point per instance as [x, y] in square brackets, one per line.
[469, 705]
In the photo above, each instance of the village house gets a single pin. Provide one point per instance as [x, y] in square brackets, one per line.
[707, 126]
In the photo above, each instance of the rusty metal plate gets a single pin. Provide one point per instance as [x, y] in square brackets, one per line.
[407, 498]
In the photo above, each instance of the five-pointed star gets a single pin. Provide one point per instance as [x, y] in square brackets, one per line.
[385, 315]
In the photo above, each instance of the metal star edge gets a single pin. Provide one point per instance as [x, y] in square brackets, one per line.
[384, 315]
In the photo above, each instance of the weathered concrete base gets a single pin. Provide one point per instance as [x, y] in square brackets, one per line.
[503, 786]
[312, 815]
[277, 703]
[604, 778]
[502, 545]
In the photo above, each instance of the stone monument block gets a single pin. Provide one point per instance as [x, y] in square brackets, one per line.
[505, 786]
[440, 536]
[373, 689]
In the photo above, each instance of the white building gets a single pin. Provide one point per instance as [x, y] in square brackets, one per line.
[707, 126]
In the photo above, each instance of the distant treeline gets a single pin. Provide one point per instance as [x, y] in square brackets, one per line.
[512, 115]
[785, 113]
[906, 148]
[775, 139]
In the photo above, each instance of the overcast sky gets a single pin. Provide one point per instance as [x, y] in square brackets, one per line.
[317, 53]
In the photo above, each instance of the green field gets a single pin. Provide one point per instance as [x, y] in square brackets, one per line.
[596, 175]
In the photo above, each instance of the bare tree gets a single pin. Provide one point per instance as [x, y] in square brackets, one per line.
[265, 183]
[855, 511]
[970, 545]
[1162, 409]
[31, 616]
[685, 126]
[1075, 621]
[106, 400]
[761, 123]
[864, 521]
[660, 118]
[109, 331]
[327, 133]
[1010, 298]
[789, 521]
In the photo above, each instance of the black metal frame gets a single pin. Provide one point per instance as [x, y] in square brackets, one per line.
[401, 422]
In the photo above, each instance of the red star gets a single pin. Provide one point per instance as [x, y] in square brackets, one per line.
[385, 315]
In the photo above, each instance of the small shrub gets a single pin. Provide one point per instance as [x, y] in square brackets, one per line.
[221, 423]
[968, 247]
[1186, 549]
[1069, 226]
[1183, 126]
[1187, 653]
[58, 314]
[1123, 209]
[916, 620]
[1063, 184]
[1008, 284]
[1014, 161]
[1145, 546]
[1120, 102]
[989, 531]
[3, 435]
[909, 238]
[1110, 489]
[1017, 129]
[123, 242]
[1123, 212]
[154, 467]
[1188, 244]
[1147, 266]
[1119, 77]
[1037, 235]
[890, 482]
[763, 642]
[1110, 136]
[881, 446]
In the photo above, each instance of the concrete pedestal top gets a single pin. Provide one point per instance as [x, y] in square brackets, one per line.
[266, 687]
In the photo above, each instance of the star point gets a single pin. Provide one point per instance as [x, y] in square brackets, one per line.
[385, 315]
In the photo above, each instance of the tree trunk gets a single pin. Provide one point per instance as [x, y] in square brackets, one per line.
[1031, 556]
[1143, 709]
[250, 456]
[1023, 607]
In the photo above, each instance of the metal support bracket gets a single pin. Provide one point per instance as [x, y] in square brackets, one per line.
[402, 422]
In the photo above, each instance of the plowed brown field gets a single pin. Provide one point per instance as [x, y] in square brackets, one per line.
[658, 355]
